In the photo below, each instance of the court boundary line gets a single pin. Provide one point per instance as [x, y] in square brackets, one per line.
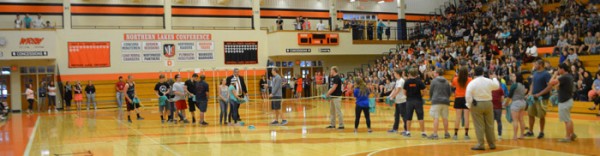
[31, 137]
[144, 135]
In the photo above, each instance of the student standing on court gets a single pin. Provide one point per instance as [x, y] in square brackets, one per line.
[179, 91]
[400, 99]
[234, 100]
[241, 89]
[540, 81]
[161, 89]
[77, 89]
[565, 99]
[276, 98]
[414, 101]
[361, 93]
[68, 96]
[439, 93]
[497, 98]
[52, 97]
[190, 92]
[223, 101]
[335, 103]
[460, 104]
[202, 90]
[131, 94]
[120, 89]
[90, 91]
[479, 100]
[42, 92]
[516, 99]
[30, 97]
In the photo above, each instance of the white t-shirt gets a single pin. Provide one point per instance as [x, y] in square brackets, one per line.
[532, 51]
[178, 87]
[51, 91]
[38, 23]
[400, 97]
[320, 26]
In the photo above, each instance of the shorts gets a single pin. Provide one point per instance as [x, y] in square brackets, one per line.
[276, 103]
[263, 90]
[132, 106]
[518, 105]
[414, 106]
[192, 104]
[439, 111]
[538, 109]
[180, 105]
[564, 110]
[460, 103]
[202, 105]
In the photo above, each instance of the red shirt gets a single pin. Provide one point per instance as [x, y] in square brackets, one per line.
[120, 86]
[496, 96]
[319, 79]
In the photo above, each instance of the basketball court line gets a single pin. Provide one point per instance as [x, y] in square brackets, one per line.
[142, 134]
[32, 136]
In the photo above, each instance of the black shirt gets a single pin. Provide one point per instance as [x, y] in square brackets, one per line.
[90, 89]
[413, 89]
[162, 88]
[190, 86]
[262, 83]
[565, 88]
[202, 89]
[336, 80]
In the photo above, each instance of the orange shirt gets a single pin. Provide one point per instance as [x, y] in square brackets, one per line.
[299, 82]
[319, 79]
[460, 91]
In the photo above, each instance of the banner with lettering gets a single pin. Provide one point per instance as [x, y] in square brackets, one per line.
[15, 45]
[167, 47]
[89, 54]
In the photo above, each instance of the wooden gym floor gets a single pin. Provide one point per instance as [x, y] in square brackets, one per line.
[102, 133]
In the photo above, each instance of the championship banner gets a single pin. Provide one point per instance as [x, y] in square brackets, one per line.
[89, 54]
[241, 52]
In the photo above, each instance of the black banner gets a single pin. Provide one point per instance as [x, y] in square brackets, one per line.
[29, 53]
[242, 52]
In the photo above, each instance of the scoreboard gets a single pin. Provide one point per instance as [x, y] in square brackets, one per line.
[241, 52]
[318, 39]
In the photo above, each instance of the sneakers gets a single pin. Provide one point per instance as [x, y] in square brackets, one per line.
[392, 131]
[340, 128]
[565, 140]
[284, 122]
[432, 137]
[203, 123]
[455, 137]
[499, 137]
[330, 127]
[529, 134]
[129, 120]
[406, 134]
[275, 123]
[56, 110]
[355, 131]
[140, 118]
[467, 137]
[447, 136]
[49, 111]
[370, 130]
[573, 137]
[423, 135]
[162, 121]
[186, 121]
[541, 135]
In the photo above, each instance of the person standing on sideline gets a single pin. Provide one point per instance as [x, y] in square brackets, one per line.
[479, 100]
[68, 96]
[78, 95]
[161, 89]
[120, 89]
[241, 89]
[180, 93]
[42, 93]
[516, 101]
[276, 98]
[234, 100]
[131, 94]
[30, 97]
[52, 97]
[414, 101]
[335, 103]
[202, 90]
[90, 91]
[439, 93]
[190, 92]
[262, 84]
[279, 23]
[539, 82]
[460, 104]
[565, 99]
[497, 98]
[19, 22]
[400, 99]
[223, 101]
[361, 93]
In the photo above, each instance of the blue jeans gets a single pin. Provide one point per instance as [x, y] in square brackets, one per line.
[233, 111]
[120, 100]
[91, 98]
[223, 114]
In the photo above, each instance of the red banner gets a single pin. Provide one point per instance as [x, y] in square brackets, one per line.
[89, 54]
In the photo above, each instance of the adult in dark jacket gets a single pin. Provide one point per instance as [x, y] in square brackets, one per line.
[439, 92]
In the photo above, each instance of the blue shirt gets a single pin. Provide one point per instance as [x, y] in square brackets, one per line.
[540, 82]
[361, 100]
[231, 95]
[27, 22]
